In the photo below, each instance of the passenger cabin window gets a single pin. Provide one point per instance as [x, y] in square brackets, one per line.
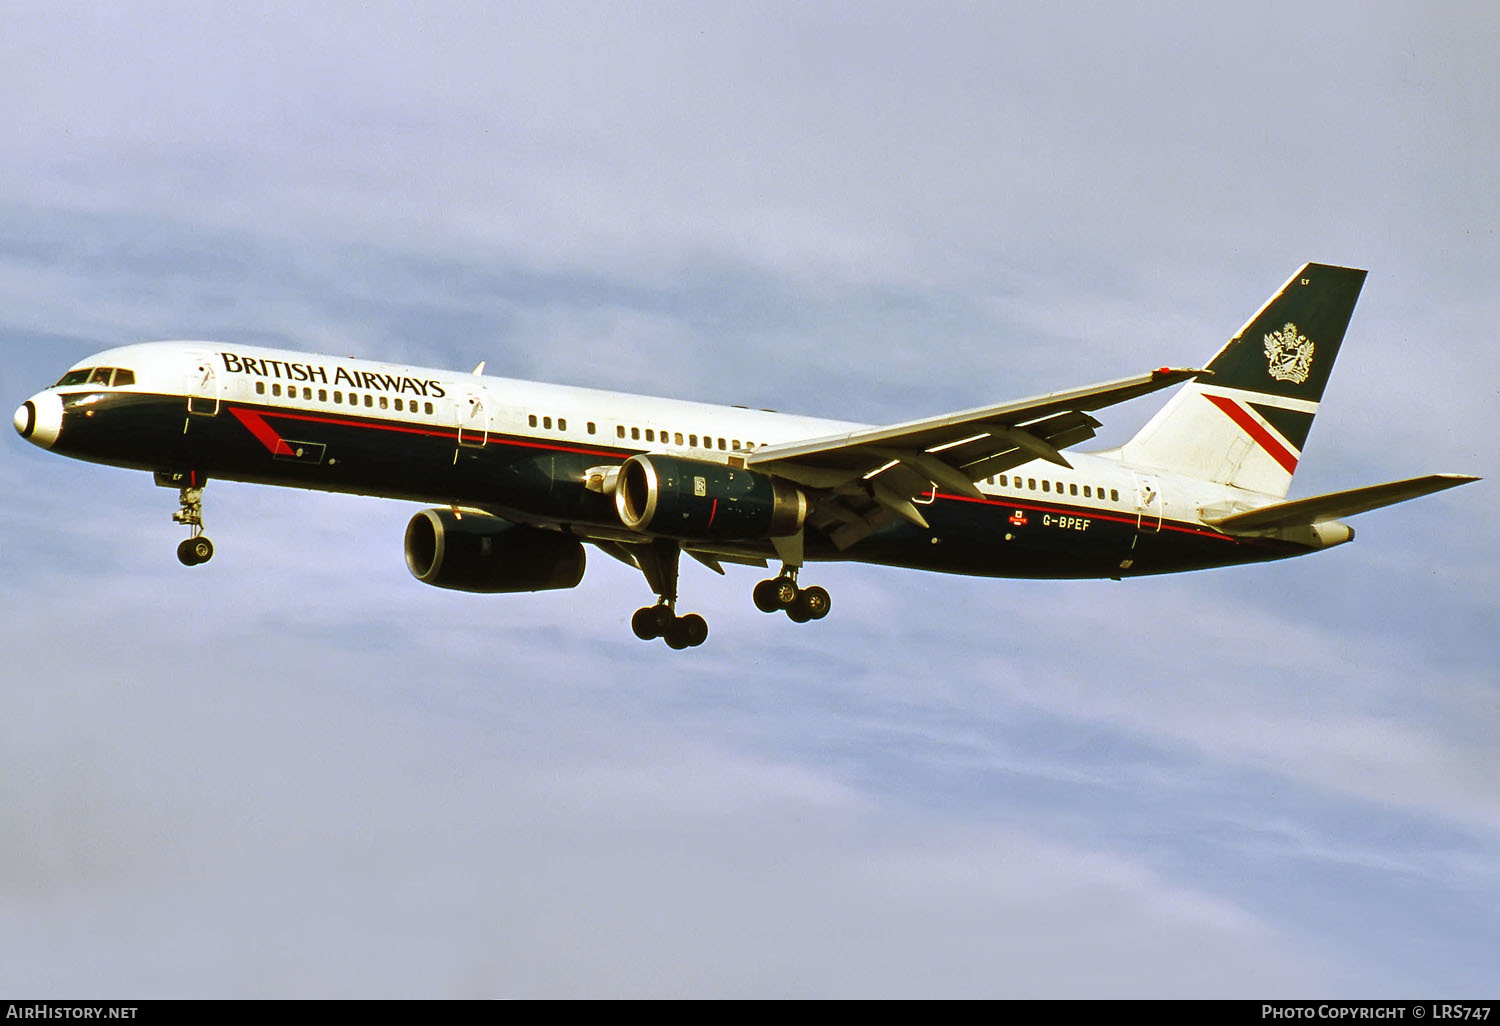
[650, 435]
[562, 423]
[590, 426]
[531, 420]
[619, 430]
[260, 388]
[635, 434]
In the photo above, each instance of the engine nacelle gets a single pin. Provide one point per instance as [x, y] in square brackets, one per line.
[478, 552]
[692, 499]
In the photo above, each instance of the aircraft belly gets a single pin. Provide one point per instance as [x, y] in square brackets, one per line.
[1032, 540]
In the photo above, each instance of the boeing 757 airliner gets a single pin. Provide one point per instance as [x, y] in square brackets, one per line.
[521, 475]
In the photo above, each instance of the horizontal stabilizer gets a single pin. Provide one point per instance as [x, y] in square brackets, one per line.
[1303, 512]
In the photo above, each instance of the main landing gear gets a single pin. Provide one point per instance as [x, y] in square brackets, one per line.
[658, 561]
[781, 594]
[660, 621]
[196, 548]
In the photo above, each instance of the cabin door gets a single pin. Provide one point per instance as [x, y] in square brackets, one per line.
[203, 387]
[1147, 504]
[473, 420]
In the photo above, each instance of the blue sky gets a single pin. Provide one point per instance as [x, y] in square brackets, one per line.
[298, 772]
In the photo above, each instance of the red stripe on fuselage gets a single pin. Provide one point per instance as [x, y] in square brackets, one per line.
[406, 429]
[1092, 513]
[1252, 427]
[263, 432]
[255, 421]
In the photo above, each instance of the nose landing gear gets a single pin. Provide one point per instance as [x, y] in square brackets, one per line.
[192, 551]
[781, 594]
[196, 548]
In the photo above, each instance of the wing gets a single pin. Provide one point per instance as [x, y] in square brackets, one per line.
[868, 478]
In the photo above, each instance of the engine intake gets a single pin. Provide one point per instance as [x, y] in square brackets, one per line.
[478, 552]
[693, 499]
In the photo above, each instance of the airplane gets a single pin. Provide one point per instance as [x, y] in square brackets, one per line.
[521, 475]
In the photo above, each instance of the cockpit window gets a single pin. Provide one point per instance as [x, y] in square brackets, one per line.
[75, 377]
[106, 376]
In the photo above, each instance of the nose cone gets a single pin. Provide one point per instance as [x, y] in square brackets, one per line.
[39, 419]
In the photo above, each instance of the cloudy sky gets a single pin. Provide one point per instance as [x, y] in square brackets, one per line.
[298, 772]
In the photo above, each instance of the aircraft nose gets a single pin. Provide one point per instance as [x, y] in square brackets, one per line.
[39, 419]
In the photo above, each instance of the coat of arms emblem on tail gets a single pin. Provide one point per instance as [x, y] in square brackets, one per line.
[1290, 354]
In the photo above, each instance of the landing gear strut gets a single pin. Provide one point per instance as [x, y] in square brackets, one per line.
[781, 594]
[196, 548]
[658, 562]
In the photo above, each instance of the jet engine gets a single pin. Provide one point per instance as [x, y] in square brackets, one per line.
[693, 499]
[478, 552]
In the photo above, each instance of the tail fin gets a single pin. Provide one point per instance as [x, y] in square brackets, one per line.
[1245, 425]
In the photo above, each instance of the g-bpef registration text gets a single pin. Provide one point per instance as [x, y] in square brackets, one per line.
[54, 1011]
